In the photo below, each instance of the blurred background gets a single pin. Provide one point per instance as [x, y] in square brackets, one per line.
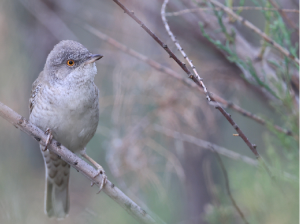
[144, 112]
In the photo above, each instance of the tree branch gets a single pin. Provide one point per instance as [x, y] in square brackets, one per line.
[238, 8]
[213, 147]
[185, 81]
[163, 16]
[195, 79]
[79, 164]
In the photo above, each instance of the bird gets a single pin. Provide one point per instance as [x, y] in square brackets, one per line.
[64, 103]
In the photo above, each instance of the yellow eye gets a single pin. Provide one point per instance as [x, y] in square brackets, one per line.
[70, 63]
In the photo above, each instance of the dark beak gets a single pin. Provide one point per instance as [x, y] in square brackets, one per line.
[93, 58]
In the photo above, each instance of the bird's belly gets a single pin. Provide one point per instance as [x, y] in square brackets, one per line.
[75, 129]
[73, 122]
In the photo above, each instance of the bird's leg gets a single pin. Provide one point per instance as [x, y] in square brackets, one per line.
[100, 169]
[49, 138]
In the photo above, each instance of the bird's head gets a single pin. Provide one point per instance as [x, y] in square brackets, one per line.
[70, 61]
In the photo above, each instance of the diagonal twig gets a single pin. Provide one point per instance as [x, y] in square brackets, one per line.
[79, 164]
[213, 147]
[205, 144]
[217, 106]
[238, 8]
[182, 79]
[183, 66]
[49, 19]
[163, 9]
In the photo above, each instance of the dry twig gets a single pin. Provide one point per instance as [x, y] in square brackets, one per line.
[182, 79]
[238, 8]
[213, 147]
[183, 66]
[110, 189]
[205, 144]
[216, 105]
[163, 9]
[49, 19]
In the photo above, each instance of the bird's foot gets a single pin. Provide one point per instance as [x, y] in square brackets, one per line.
[49, 138]
[100, 171]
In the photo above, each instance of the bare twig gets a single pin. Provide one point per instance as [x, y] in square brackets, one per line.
[217, 106]
[110, 189]
[205, 144]
[213, 147]
[163, 9]
[49, 19]
[183, 66]
[256, 30]
[180, 78]
[164, 46]
[228, 188]
[238, 8]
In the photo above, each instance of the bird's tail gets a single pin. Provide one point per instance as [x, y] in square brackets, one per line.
[57, 201]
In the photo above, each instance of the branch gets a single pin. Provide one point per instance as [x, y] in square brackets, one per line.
[163, 8]
[217, 106]
[164, 46]
[228, 188]
[185, 81]
[195, 79]
[206, 145]
[238, 8]
[213, 147]
[49, 19]
[79, 164]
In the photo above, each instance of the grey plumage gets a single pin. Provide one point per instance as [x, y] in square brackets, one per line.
[65, 99]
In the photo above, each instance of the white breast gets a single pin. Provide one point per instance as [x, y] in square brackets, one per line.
[72, 114]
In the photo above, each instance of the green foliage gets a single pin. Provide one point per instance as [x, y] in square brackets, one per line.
[233, 57]
[264, 199]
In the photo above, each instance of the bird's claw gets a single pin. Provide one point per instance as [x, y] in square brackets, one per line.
[49, 138]
[100, 170]
[104, 178]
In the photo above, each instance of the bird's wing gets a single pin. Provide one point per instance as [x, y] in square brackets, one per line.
[36, 86]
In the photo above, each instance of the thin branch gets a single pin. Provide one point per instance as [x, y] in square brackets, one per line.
[236, 8]
[217, 106]
[183, 66]
[163, 9]
[164, 46]
[256, 30]
[213, 147]
[182, 79]
[228, 188]
[49, 19]
[110, 189]
[205, 144]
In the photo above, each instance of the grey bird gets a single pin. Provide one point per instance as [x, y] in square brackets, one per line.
[64, 102]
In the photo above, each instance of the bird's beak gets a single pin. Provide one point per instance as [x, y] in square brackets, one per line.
[93, 58]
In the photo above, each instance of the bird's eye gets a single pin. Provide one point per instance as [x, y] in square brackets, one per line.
[70, 63]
